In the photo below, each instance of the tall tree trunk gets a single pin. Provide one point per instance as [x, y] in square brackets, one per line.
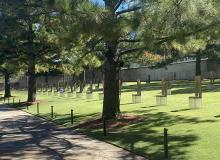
[198, 64]
[46, 81]
[31, 80]
[111, 102]
[73, 83]
[71, 86]
[31, 65]
[7, 85]
[198, 78]
[81, 82]
[81, 87]
[93, 76]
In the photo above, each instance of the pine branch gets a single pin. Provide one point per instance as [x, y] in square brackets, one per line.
[173, 37]
[92, 44]
[131, 51]
[129, 40]
[45, 51]
[3, 70]
[135, 8]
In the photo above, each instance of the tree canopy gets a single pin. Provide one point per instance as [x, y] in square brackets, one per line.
[79, 34]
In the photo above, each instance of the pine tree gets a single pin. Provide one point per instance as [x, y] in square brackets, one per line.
[121, 27]
[9, 62]
[36, 44]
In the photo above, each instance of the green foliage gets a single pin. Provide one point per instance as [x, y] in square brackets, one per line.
[9, 36]
[175, 22]
[175, 19]
[34, 42]
[192, 45]
[71, 30]
[70, 25]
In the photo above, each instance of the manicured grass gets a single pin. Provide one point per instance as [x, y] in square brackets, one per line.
[193, 133]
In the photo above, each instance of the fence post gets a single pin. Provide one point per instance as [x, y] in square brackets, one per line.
[104, 126]
[37, 107]
[71, 116]
[51, 111]
[166, 153]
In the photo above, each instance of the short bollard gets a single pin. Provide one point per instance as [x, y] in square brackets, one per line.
[19, 102]
[51, 111]
[71, 116]
[13, 100]
[166, 144]
[4, 99]
[27, 105]
[37, 108]
[104, 126]
[8, 100]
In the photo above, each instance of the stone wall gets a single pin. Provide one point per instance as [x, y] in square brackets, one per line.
[180, 70]
[60, 79]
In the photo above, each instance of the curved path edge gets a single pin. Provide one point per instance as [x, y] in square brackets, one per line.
[25, 136]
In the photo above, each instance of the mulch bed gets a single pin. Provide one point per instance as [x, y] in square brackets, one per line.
[111, 124]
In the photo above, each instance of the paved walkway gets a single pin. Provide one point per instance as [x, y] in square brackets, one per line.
[26, 137]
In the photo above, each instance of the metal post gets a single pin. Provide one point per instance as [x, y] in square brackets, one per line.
[166, 144]
[27, 105]
[104, 126]
[71, 116]
[37, 108]
[4, 99]
[51, 111]
[13, 100]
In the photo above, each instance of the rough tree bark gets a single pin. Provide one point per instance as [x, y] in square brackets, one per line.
[31, 65]
[198, 78]
[72, 83]
[46, 81]
[198, 64]
[111, 104]
[93, 78]
[7, 85]
[81, 82]
[31, 80]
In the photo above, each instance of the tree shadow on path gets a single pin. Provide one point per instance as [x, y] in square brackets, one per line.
[30, 137]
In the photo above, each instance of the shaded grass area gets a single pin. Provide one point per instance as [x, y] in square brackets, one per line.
[193, 134]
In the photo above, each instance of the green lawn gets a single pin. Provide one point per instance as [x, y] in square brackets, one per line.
[194, 134]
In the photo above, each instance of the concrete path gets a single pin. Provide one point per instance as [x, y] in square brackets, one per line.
[26, 137]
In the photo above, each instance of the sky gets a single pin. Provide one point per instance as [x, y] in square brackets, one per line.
[101, 2]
